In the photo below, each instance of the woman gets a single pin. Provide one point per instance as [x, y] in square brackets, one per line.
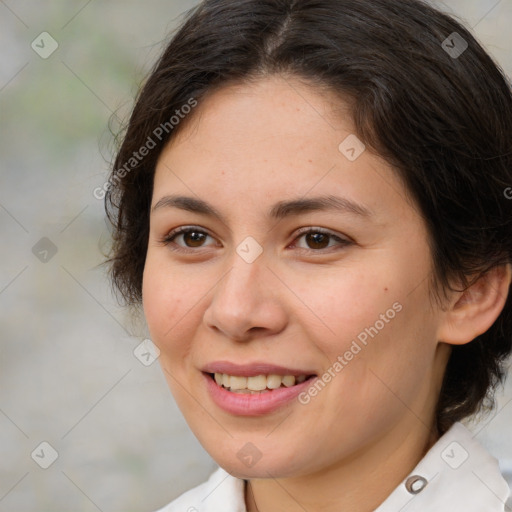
[310, 204]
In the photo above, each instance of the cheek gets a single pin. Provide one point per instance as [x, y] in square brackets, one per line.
[391, 372]
[379, 329]
[168, 297]
[346, 302]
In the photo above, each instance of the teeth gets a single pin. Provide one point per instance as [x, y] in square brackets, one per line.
[289, 381]
[249, 392]
[236, 382]
[258, 383]
[274, 381]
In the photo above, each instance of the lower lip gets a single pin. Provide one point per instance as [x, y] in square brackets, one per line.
[258, 404]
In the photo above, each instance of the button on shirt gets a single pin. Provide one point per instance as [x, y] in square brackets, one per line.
[456, 475]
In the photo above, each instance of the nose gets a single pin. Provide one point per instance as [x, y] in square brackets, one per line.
[247, 302]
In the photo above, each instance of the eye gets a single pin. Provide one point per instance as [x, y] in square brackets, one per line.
[192, 237]
[317, 239]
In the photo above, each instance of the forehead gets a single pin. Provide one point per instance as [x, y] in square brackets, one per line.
[259, 112]
[274, 139]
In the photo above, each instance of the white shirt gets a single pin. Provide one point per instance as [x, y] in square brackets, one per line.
[456, 475]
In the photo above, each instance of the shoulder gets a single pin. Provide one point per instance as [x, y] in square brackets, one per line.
[221, 492]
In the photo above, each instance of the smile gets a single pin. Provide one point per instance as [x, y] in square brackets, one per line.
[254, 395]
[256, 384]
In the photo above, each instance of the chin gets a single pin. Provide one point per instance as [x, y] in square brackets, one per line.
[264, 467]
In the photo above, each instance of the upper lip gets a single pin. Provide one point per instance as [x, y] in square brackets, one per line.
[253, 369]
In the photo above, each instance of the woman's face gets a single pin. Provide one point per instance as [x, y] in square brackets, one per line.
[247, 293]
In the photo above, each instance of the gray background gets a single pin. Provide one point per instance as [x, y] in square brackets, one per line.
[68, 375]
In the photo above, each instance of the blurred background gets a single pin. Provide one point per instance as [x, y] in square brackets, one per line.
[113, 438]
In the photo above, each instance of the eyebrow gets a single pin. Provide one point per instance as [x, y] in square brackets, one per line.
[278, 211]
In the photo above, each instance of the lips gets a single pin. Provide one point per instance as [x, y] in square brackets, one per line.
[254, 389]
[254, 369]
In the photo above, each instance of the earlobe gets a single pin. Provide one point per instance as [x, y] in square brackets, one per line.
[474, 311]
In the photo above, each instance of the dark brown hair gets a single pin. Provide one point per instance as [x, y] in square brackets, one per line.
[438, 112]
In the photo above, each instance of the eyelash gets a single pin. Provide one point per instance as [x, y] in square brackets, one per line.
[169, 238]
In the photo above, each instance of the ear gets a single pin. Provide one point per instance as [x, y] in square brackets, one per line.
[473, 312]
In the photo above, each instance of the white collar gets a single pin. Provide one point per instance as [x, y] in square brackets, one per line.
[460, 476]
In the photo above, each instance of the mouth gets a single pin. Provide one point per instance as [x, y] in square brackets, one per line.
[257, 384]
[261, 391]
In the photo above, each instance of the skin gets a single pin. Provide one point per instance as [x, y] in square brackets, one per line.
[298, 304]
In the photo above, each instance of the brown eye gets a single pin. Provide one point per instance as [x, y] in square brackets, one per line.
[317, 240]
[193, 238]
